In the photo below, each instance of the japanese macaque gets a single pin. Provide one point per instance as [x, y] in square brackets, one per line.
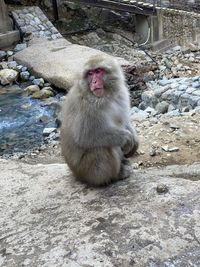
[96, 136]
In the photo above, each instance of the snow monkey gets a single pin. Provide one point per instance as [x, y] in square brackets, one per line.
[96, 136]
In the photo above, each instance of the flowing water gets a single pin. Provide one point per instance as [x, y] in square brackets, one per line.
[22, 120]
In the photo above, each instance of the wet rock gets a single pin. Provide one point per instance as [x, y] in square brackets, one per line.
[2, 55]
[32, 89]
[24, 75]
[39, 82]
[43, 93]
[19, 68]
[48, 131]
[12, 64]
[8, 76]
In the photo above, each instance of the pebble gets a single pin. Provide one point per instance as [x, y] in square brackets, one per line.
[2, 55]
[25, 75]
[48, 131]
[168, 149]
[162, 189]
[12, 64]
[39, 82]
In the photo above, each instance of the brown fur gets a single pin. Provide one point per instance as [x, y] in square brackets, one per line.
[95, 131]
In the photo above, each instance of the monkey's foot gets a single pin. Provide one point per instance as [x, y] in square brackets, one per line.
[126, 169]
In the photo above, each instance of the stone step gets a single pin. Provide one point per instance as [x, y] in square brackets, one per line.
[9, 39]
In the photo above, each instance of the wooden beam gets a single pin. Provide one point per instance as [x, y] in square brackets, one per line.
[119, 5]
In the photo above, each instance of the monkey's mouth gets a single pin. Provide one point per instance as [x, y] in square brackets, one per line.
[98, 92]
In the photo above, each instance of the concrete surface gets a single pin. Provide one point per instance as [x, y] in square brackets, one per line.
[56, 61]
[49, 219]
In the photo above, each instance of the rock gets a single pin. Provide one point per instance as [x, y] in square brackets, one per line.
[173, 113]
[159, 91]
[3, 65]
[196, 84]
[58, 61]
[193, 47]
[173, 149]
[165, 148]
[2, 55]
[43, 93]
[174, 85]
[19, 68]
[168, 149]
[162, 189]
[177, 48]
[196, 93]
[152, 152]
[12, 64]
[31, 89]
[44, 191]
[39, 82]
[171, 108]
[8, 76]
[31, 78]
[185, 109]
[25, 75]
[162, 107]
[20, 47]
[48, 131]
[139, 116]
[10, 53]
[174, 127]
[164, 82]
[24, 69]
[150, 110]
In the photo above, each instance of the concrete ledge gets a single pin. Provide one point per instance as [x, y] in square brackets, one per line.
[8, 39]
[162, 45]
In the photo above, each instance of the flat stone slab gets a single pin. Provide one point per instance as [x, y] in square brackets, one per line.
[56, 61]
[50, 219]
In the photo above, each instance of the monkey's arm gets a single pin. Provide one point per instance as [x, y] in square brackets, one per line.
[104, 138]
[131, 148]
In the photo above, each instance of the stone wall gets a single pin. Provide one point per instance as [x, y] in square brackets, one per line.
[180, 26]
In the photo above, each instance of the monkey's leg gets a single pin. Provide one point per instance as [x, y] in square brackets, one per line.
[99, 166]
[125, 170]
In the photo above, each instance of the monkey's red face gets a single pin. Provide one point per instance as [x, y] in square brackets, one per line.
[96, 81]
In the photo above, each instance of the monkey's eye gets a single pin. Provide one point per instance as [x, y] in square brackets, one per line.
[90, 72]
[99, 70]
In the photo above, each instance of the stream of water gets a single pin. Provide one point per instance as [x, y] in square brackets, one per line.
[21, 123]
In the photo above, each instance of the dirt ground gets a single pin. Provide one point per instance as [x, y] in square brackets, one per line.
[165, 142]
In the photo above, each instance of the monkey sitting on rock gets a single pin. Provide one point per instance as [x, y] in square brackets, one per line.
[96, 136]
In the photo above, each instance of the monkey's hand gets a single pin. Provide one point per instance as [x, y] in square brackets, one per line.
[131, 144]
